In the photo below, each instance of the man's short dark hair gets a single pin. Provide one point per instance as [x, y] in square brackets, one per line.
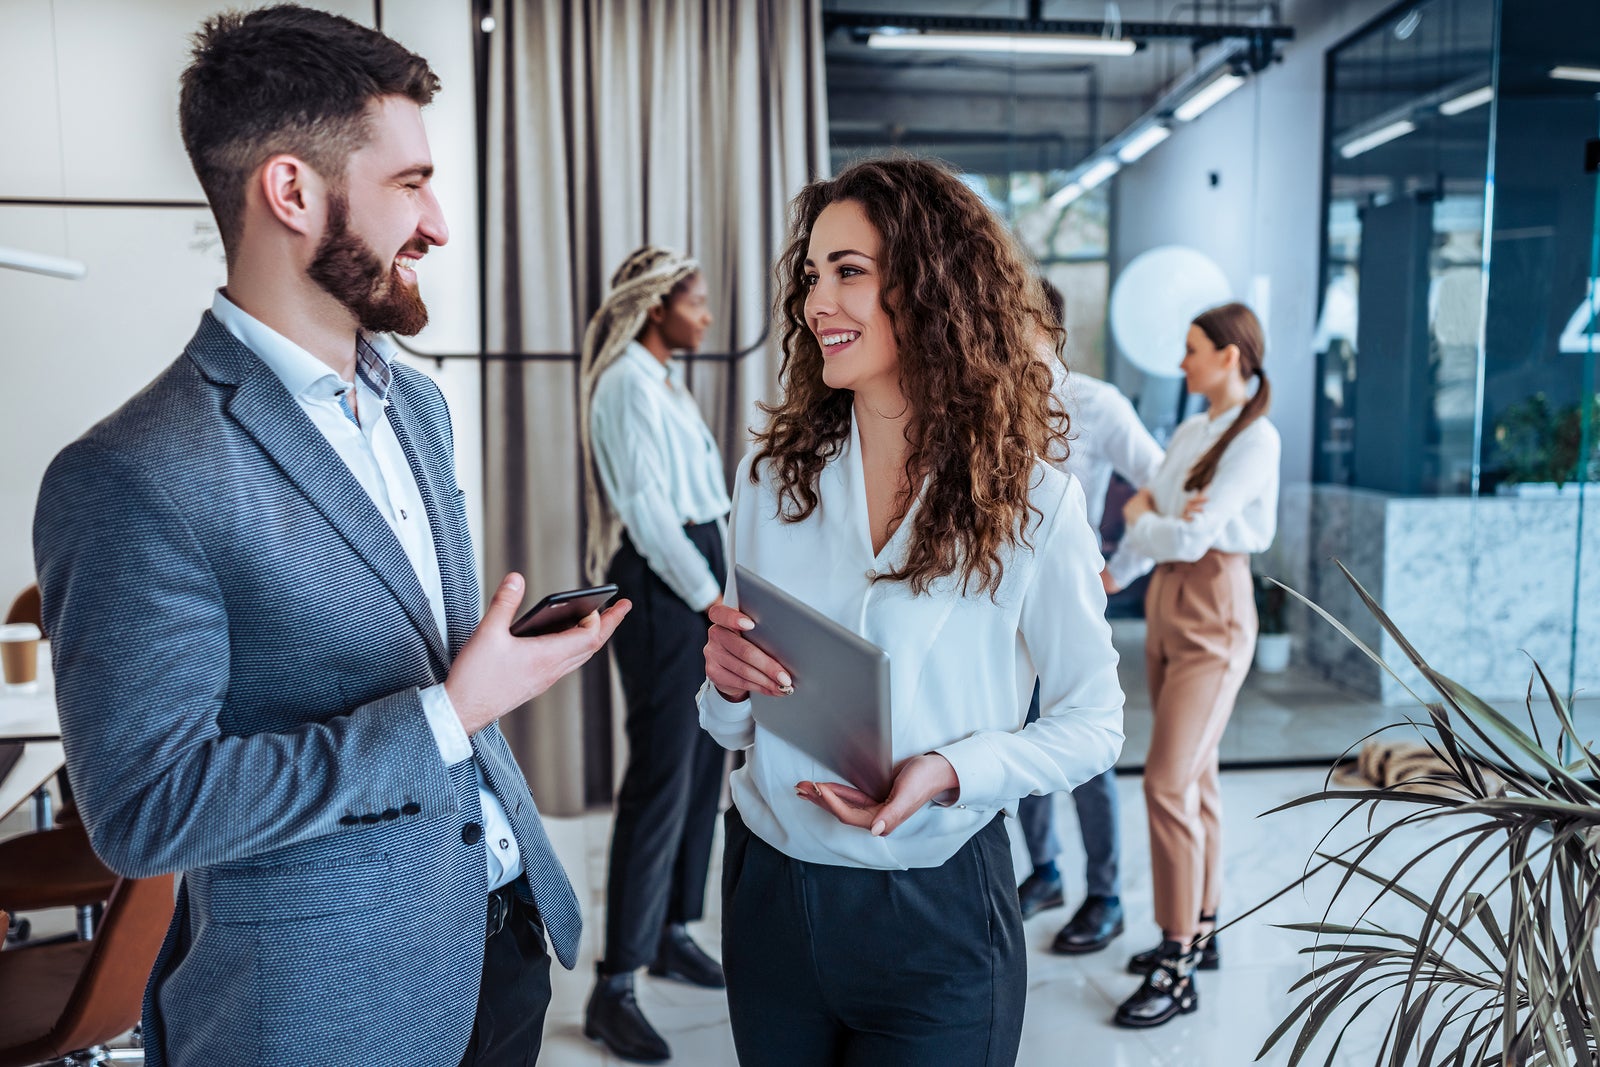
[285, 79]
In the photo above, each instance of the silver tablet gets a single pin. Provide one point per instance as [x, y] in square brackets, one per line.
[839, 711]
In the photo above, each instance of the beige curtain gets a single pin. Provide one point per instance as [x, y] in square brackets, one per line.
[614, 124]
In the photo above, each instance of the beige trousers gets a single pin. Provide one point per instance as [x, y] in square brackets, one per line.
[1200, 636]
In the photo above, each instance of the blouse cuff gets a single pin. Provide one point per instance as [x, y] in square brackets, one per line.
[980, 774]
[729, 722]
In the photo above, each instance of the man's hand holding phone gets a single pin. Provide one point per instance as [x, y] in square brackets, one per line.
[496, 672]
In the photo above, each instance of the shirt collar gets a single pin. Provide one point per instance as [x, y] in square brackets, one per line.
[669, 372]
[1222, 422]
[302, 373]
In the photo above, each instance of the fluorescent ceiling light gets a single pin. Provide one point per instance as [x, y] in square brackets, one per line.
[1576, 74]
[1142, 142]
[1368, 141]
[1034, 43]
[36, 263]
[1064, 196]
[1192, 108]
[1467, 101]
[1098, 173]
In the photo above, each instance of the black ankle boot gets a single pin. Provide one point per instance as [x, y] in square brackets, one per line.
[1167, 991]
[614, 1020]
[680, 958]
[1210, 947]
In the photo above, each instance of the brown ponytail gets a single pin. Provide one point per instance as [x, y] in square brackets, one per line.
[1233, 324]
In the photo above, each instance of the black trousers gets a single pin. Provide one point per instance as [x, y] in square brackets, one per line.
[514, 995]
[845, 967]
[667, 806]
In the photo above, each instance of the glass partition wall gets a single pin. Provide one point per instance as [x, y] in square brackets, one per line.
[1455, 464]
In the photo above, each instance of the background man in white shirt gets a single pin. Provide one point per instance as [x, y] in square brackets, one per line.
[656, 502]
[261, 590]
[1107, 436]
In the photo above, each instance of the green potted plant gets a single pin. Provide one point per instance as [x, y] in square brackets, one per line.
[1272, 640]
[1499, 963]
[1541, 448]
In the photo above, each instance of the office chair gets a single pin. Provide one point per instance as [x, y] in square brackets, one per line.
[64, 1002]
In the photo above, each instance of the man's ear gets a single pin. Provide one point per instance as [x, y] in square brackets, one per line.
[293, 193]
[657, 312]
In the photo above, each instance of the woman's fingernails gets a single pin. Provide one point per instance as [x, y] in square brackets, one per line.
[785, 682]
[878, 828]
[745, 623]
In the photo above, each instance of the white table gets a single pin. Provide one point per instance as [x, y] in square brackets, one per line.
[30, 717]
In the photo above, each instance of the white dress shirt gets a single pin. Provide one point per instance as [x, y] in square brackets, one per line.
[375, 458]
[961, 667]
[1241, 508]
[1106, 435]
[660, 467]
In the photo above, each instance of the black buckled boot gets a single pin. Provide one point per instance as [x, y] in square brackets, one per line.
[1167, 992]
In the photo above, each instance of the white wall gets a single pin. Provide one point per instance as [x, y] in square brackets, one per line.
[1262, 222]
[91, 113]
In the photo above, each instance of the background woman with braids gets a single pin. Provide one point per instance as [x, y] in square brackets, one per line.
[655, 502]
[1201, 631]
[897, 488]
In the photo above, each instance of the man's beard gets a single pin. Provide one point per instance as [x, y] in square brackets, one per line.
[351, 272]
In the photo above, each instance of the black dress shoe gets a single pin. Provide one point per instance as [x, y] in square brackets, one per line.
[680, 958]
[1091, 929]
[1167, 991]
[614, 1020]
[1038, 893]
[1209, 956]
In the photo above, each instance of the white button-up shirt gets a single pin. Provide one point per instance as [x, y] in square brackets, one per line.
[660, 467]
[1106, 435]
[961, 667]
[1241, 508]
[374, 456]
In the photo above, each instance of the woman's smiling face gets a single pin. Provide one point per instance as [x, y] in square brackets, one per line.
[844, 284]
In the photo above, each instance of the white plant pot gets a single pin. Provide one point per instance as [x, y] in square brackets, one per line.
[1272, 653]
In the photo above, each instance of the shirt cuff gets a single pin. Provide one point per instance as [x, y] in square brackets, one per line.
[980, 774]
[728, 722]
[705, 594]
[448, 733]
[1125, 569]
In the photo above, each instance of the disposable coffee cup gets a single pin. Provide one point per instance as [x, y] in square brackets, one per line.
[19, 653]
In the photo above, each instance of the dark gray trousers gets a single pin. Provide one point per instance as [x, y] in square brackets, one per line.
[667, 807]
[845, 967]
[1096, 801]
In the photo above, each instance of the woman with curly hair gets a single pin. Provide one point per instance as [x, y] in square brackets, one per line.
[898, 489]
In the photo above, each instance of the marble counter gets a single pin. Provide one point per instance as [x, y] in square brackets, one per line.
[1482, 588]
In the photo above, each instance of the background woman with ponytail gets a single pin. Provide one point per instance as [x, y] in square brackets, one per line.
[1201, 630]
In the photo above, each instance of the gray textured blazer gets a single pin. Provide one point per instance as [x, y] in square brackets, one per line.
[238, 640]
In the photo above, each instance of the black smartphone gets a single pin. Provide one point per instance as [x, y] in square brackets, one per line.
[559, 611]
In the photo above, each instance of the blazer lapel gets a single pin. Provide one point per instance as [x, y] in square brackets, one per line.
[455, 566]
[264, 409]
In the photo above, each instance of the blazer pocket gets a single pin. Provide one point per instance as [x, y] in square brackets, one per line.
[278, 894]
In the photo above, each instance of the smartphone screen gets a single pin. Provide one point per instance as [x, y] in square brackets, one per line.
[560, 611]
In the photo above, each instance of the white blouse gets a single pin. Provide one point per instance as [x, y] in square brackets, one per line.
[1105, 435]
[660, 467]
[1241, 509]
[961, 667]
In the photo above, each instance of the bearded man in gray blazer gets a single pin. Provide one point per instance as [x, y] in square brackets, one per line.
[259, 583]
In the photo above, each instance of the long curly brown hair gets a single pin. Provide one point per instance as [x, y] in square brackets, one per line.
[968, 314]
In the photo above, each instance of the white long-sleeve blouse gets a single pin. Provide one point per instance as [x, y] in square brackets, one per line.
[1241, 508]
[962, 667]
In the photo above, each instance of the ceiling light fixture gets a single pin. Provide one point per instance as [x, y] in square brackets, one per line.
[1142, 142]
[1576, 74]
[1064, 196]
[1467, 101]
[1383, 135]
[37, 263]
[1033, 44]
[1098, 173]
[1197, 104]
